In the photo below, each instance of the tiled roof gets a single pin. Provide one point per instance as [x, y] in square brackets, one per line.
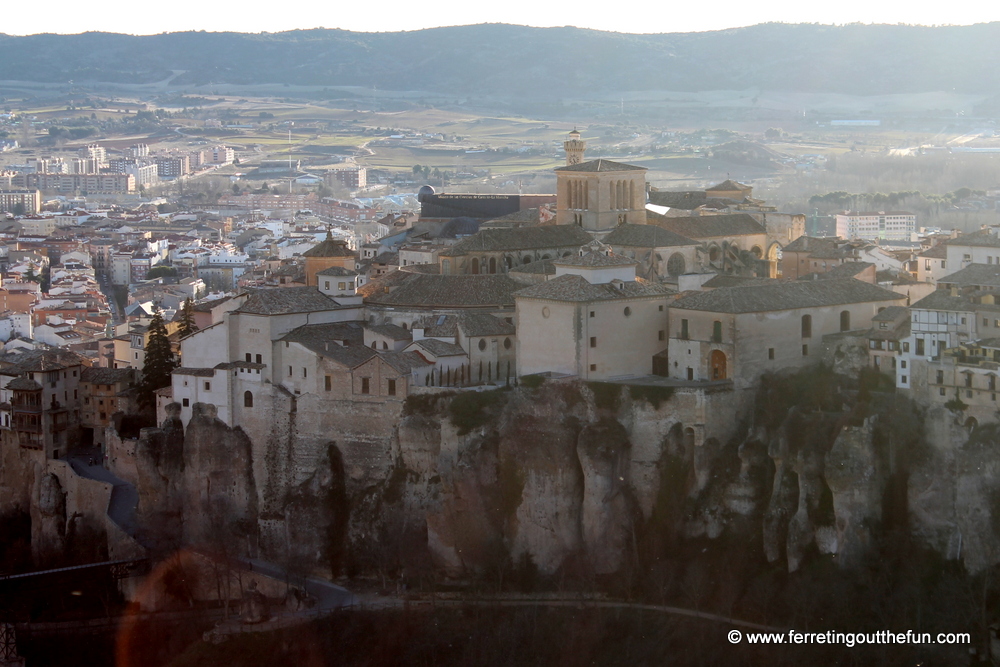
[283, 300]
[96, 375]
[974, 274]
[811, 244]
[427, 290]
[484, 324]
[439, 326]
[728, 185]
[576, 288]
[594, 259]
[329, 247]
[501, 239]
[230, 365]
[336, 271]
[982, 238]
[723, 280]
[600, 165]
[197, 372]
[24, 383]
[390, 331]
[646, 236]
[708, 226]
[939, 251]
[687, 201]
[845, 270]
[891, 314]
[783, 295]
[942, 299]
[352, 333]
[319, 340]
[439, 348]
[34, 361]
[404, 362]
[544, 266]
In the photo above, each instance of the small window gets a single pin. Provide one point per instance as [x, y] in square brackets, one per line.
[391, 387]
[185, 402]
[805, 350]
[591, 313]
[289, 371]
[482, 344]
[690, 373]
[247, 399]
[365, 389]
[305, 372]
[328, 383]
[661, 335]
[507, 343]
[327, 282]
[342, 286]
[248, 357]
[661, 307]
[717, 331]
[208, 386]
[593, 341]
[628, 311]
[770, 353]
[593, 367]
[258, 359]
[684, 329]
[940, 377]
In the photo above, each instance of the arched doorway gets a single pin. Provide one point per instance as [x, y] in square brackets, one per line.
[718, 363]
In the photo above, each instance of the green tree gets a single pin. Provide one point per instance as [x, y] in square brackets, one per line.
[159, 364]
[19, 209]
[187, 319]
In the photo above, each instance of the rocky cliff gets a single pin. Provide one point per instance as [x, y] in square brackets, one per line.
[571, 475]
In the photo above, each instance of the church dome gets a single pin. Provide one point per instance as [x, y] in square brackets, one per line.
[424, 192]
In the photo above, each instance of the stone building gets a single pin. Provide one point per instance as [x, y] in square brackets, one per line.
[40, 400]
[595, 319]
[105, 391]
[732, 243]
[497, 250]
[659, 253]
[740, 333]
[325, 254]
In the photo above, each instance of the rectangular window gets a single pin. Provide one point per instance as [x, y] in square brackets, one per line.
[328, 383]
[968, 394]
[208, 386]
[661, 335]
[920, 347]
[684, 329]
[304, 372]
[593, 367]
[593, 341]
[341, 286]
[805, 350]
[185, 402]
[941, 391]
[289, 371]
[591, 313]
[906, 347]
[364, 386]
[770, 353]
[690, 373]
[661, 308]
[391, 388]
[940, 377]
[902, 364]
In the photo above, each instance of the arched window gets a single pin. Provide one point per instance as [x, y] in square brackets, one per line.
[676, 265]
[757, 252]
[713, 253]
[247, 399]
[475, 265]
[493, 264]
[807, 326]
[845, 320]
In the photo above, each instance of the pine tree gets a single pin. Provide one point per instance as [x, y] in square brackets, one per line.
[187, 325]
[159, 362]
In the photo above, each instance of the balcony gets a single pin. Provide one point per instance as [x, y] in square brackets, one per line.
[26, 408]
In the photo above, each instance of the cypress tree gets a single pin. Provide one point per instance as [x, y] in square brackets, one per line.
[159, 362]
[187, 319]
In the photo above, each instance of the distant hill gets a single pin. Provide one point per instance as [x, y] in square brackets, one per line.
[504, 60]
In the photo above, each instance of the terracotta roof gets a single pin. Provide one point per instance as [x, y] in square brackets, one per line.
[646, 236]
[284, 300]
[782, 295]
[600, 165]
[576, 288]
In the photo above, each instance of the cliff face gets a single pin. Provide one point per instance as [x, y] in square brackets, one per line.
[571, 475]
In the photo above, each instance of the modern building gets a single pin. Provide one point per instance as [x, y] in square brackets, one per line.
[876, 225]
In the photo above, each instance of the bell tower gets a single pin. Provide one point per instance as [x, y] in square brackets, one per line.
[574, 147]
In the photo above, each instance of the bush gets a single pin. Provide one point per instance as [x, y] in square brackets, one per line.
[651, 394]
[470, 409]
[532, 381]
[607, 396]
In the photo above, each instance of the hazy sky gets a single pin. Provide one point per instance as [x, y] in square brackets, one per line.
[66, 16]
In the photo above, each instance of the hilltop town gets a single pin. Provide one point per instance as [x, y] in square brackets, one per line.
[356, 384]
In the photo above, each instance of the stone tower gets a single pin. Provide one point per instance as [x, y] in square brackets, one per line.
[574, 146]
